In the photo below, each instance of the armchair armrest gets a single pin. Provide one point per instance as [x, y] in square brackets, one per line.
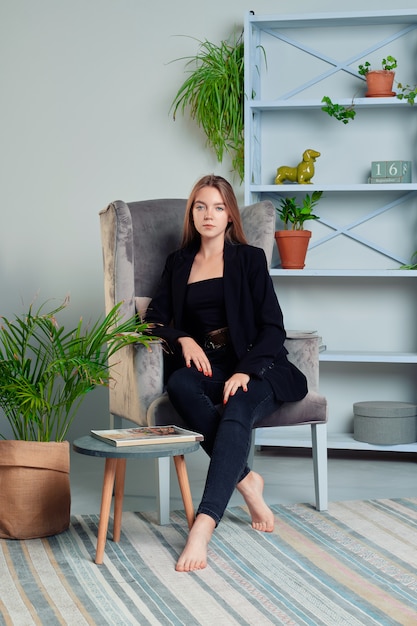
[304, 353]
[137, 380]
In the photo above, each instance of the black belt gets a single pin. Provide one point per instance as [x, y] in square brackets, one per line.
[216, 339]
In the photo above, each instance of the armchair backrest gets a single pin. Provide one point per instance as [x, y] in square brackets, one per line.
[138, 236]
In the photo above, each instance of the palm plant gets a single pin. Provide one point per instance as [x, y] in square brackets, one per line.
[214, 94]
[45, 371]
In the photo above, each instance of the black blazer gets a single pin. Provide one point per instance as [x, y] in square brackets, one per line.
[254, 316]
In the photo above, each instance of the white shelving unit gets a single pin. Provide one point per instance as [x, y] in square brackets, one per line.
[282, 118]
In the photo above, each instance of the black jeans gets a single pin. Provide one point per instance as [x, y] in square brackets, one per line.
[227, 429]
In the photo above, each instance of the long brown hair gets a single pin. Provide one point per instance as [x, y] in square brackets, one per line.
[234, 232]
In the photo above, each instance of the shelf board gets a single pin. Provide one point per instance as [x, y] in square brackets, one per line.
[349, 273]
[311, 20]
[366, 187]
[351, 356]
[301, 105]
[335, 441]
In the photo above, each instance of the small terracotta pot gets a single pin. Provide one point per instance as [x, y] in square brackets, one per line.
[292, 248]
[379, 83]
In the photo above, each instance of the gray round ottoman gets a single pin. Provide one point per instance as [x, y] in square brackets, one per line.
[385, 422]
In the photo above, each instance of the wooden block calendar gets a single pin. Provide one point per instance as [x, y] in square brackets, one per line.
[390, 172]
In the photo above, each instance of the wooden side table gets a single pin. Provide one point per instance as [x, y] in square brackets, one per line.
[114, 478]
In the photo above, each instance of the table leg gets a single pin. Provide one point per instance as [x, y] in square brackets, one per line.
[184, 484]
[106, 498]
[119, 490]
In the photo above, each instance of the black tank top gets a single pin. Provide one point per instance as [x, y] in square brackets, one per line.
[204, 307]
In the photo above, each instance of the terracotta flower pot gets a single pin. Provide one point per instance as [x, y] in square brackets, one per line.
[379, 83]
[35, 496]
[292, 248]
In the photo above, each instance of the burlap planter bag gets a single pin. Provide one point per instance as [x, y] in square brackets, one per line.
[35, 497]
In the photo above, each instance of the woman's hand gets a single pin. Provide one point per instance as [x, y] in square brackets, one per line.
[193, 353]
[233, 383]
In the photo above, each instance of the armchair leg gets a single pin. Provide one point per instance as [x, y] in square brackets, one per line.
[319, 448]
[162, 467]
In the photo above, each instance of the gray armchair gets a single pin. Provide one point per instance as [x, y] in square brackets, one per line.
[136, 239]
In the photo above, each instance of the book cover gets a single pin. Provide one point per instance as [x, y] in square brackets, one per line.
[145, 435]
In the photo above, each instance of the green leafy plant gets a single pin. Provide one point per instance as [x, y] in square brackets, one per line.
[45, 370]
[338, 111]
[214, 95]
[389, 64]
[346, 114]
[411, 266]
[290, 212]
[407, 92]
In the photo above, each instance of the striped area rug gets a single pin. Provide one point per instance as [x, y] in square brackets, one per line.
[353, 565]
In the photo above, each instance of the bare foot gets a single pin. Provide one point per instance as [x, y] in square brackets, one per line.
[251, 488]
[194, 555]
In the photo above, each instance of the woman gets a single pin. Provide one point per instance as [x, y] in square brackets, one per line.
[217, 310]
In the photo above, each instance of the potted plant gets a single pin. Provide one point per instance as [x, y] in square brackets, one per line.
[379, 82]
[45, 373]
[214, 95]
[293, 240]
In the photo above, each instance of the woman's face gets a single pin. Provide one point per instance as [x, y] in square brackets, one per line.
[210, 214]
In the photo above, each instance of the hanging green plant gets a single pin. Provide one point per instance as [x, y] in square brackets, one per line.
[407, 92]
[338, 111]
[214, 95]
